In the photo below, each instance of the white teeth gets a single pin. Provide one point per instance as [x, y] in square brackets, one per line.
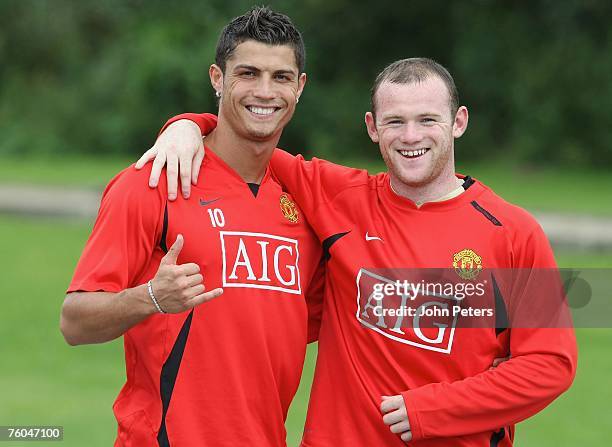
[261, 110]
[415, 153]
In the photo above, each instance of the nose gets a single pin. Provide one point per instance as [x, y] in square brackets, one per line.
[410, 134]
[264, 88]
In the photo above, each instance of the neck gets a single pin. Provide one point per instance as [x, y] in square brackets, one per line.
[247, 157]
[427, 192]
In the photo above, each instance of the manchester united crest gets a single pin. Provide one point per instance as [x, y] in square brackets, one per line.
[467, 264]
[289, 208]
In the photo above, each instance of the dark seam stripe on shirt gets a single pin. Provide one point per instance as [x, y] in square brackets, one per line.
[496, 437]
[327, 243]
[164, 234]
[501, 313]
[486, 214]
[168, 377]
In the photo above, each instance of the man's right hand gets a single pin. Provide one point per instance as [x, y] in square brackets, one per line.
[97, 317]
[178, 288]
[179, 146]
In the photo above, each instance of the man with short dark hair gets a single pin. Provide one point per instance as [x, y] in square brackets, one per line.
[222, 374]
[382, 376]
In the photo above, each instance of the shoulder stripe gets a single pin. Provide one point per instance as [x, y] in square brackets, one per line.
[486, 214]
[327, 243]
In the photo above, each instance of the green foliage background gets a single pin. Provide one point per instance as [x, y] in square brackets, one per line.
[100, 77]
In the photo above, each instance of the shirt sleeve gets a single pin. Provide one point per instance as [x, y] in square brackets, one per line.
[124, 237]
[542, 366]
[315, 185]
[205, 121]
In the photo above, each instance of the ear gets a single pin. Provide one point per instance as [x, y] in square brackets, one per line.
[216, 77]
[301, 84]
[461, 121]
[371, 127]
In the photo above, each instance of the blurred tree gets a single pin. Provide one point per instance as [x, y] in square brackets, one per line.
[101, 76]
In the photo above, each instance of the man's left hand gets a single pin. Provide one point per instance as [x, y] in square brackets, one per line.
[396, 416]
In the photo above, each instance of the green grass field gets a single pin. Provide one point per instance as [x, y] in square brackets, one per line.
[45, 382]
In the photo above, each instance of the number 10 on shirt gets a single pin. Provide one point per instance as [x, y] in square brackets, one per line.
[217, 219]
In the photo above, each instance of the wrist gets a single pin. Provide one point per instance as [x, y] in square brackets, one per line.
[188, 125]
[153, 298]
[139, 301]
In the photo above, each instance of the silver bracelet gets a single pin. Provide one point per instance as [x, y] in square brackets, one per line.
[157, 306]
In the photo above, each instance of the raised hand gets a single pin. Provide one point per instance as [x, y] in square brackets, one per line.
[180, 147]
[179, 287]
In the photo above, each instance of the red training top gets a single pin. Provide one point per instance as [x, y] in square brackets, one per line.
[224, 373]
[451, 395]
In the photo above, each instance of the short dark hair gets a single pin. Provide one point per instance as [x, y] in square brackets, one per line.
[262, 25]
[416, 69]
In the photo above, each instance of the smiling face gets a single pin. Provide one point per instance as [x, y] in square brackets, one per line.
[415, 129]
[259, 89]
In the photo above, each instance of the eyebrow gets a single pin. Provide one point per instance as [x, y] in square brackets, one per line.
[391, 117]
[253, 68]
[421, 115]
[246, 67]
[285, 71]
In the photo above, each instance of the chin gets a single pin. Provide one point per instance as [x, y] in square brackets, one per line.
[261, 134]
[263, 131]
[413, 179]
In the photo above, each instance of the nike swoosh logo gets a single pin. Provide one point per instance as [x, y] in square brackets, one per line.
[372, 238]
[205, 203]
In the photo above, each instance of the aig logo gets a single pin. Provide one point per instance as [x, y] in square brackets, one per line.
[260, 261]
[414, 319]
